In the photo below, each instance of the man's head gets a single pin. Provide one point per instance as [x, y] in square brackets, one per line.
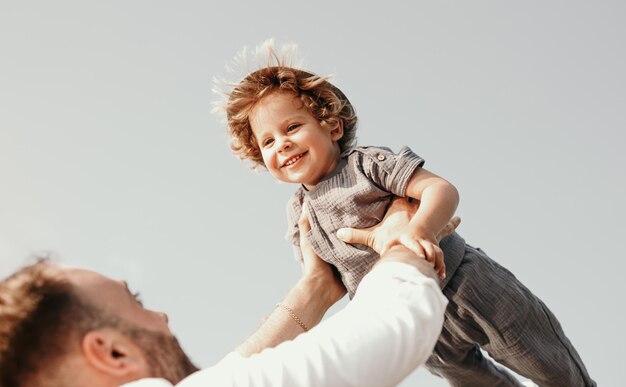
[327, 104]
[65, 327]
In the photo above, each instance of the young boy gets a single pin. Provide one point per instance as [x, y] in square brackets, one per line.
[302, 129]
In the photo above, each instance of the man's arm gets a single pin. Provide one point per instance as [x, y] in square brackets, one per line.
[309, 300]
[316, 291]
[389, 328]
[319, 288]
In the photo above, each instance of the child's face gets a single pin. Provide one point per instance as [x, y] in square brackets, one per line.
[294, 146]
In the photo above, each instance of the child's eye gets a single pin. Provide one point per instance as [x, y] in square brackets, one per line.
[292, 127]
[268, 141]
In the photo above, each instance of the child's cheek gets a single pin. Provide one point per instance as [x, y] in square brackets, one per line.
[267, 159]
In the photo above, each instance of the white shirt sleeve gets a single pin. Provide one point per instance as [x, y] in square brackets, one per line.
[387, 330]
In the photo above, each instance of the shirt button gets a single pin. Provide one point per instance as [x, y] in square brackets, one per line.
[381, 157]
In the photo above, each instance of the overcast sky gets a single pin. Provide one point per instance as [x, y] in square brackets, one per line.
[110, 157]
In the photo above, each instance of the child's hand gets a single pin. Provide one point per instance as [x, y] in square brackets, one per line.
[387, 233]
[424, 244]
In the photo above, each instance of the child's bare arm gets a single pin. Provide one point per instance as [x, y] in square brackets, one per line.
[438, 202]
[383, 236]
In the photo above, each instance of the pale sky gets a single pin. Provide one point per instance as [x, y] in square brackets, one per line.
[110, 158]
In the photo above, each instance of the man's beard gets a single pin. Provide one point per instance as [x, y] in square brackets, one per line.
[166, 359]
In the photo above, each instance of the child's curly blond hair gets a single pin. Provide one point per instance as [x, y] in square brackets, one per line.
[325, 101]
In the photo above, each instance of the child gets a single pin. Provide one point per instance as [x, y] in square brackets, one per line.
[302, 129]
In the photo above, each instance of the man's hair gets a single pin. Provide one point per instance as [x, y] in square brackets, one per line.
[326, 102]
[41, 315]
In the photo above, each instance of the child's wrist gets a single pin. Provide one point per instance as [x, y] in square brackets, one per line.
[423, 232]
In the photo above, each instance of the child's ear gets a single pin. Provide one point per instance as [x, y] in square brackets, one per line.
[337, 132]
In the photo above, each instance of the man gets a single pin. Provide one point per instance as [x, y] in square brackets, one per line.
[73, 327]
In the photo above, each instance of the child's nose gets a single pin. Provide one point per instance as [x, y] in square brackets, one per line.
[284, 144]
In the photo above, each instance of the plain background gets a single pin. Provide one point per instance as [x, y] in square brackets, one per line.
[110, 157]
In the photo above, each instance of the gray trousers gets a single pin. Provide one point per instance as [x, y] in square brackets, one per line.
[490, 309]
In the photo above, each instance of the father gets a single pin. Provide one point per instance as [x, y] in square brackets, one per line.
[73, 327]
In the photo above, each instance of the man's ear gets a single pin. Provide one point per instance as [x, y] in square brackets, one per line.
[114, 354]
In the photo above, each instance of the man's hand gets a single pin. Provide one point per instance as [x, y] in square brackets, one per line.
[387, 233]
[313, 265]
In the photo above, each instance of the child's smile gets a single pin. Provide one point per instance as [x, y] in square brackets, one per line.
[293, 160]
[295, 146]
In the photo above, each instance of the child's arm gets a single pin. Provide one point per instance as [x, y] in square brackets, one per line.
[438, 202]
[396, 222]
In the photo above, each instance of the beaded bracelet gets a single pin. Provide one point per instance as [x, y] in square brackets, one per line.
[293, 316]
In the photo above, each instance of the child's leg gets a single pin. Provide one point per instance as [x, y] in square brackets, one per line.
[462, 364]
[491, 308]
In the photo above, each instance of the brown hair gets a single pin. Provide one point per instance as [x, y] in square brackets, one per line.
[40, 316]
[325, 101]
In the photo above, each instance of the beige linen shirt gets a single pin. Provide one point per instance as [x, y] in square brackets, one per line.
[357, 194]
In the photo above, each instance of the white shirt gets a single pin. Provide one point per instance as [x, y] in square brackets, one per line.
[387, 330]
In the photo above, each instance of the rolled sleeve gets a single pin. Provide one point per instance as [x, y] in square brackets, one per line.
[391, 171]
